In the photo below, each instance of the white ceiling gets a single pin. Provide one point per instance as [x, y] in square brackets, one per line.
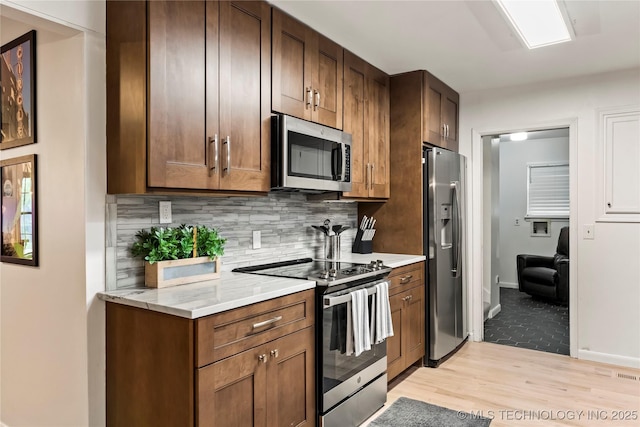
[468, 44]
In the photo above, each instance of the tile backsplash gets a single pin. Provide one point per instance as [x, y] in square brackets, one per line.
[284, 220]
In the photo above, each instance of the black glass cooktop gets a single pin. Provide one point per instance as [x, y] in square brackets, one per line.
[322, 271]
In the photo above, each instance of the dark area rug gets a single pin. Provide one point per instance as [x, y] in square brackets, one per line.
[406, 412]
[530, 323]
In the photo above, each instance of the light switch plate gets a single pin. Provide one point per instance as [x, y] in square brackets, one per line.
[587, 231]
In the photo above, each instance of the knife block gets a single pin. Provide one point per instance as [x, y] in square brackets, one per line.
[361, 246]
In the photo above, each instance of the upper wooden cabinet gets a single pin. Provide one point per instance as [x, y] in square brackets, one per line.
[307, 72]
[366, 118]
[188, 96]
[440, 120]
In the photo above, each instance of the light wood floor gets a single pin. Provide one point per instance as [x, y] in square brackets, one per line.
[519, 387]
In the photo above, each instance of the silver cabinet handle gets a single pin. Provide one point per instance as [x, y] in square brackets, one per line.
[262, 358]
[406, 279]
[228, 144]
[366, 180]
[307, 102]
[267, 322]
[274, 353]
[213, 165]
[407, 298]
[444, 130]
[447, 131]
[317, 100]
[373, 165]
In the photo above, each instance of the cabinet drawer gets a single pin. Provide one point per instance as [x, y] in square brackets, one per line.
[225, 334]
[405, 277]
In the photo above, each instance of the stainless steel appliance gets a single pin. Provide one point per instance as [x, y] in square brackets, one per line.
[309, 157]
[444, 195]
[349, 388]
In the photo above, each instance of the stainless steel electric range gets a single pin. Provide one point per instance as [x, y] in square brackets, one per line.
[349, 388]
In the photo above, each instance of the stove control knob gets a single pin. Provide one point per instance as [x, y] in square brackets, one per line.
[373, 265]
[379, 263]
[324, 274]
[333, 273]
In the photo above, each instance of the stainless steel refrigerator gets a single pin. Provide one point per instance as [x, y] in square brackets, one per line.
[444, 242]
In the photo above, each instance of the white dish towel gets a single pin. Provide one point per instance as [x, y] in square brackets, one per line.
[383, 323]
[360, 321]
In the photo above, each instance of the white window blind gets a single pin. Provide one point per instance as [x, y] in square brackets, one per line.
[548, 190]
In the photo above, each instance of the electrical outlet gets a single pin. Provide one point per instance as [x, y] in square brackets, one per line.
[165, 212]
[517, 221]
[257, 243]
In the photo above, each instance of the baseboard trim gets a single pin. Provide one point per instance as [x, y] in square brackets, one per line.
[594, 356]
[508, 285]
[494, 311]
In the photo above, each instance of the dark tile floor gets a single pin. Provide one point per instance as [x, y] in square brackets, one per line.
[529, 323]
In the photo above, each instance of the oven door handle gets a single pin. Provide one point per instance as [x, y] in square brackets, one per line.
[341, 299]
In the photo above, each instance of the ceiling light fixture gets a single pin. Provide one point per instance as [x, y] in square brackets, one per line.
[538, 22]
[518, 136]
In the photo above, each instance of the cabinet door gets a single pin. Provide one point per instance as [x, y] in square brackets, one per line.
[356, 123]
[378, 112]
[231, 393]
[327, 69]
[395, 352]
[291, 55]
[177, 144]
[290, 387]
[450, 119]
[245, 78]
[366, 118]
[408, 317]
[413, 319]
[433, 131]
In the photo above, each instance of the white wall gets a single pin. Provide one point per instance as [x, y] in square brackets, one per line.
[517, 239]
[605, 274]
[491, 227]
[51, 327]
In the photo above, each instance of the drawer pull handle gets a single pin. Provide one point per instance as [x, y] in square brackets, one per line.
[267, 322]
[262, 358]
[406, 279]
[274, 353]
[407, 298]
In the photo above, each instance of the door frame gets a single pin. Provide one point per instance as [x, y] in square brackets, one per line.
[475, 220]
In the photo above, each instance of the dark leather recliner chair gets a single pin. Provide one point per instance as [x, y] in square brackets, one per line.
[547, 277]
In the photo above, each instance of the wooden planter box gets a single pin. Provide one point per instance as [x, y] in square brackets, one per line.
[180, 271]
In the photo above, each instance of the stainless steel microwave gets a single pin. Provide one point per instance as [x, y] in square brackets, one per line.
[309, 157]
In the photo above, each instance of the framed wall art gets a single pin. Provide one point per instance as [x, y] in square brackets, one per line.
[18, 213]
[18, 92]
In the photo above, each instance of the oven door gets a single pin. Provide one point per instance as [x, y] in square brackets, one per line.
[343, 374]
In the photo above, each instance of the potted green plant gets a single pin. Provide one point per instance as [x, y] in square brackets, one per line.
[178, 255]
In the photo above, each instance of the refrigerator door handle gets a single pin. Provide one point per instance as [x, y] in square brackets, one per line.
[458, 234]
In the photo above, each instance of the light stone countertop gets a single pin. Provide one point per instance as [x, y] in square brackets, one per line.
[232, 290]
[390, 260]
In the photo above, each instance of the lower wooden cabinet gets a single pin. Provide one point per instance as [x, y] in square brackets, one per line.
[407, 301]
[270, 385]
[251, 366]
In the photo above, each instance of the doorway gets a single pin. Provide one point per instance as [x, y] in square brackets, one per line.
[525, 205]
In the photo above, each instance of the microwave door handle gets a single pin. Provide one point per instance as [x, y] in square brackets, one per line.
[337, 163]
[343, 153]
